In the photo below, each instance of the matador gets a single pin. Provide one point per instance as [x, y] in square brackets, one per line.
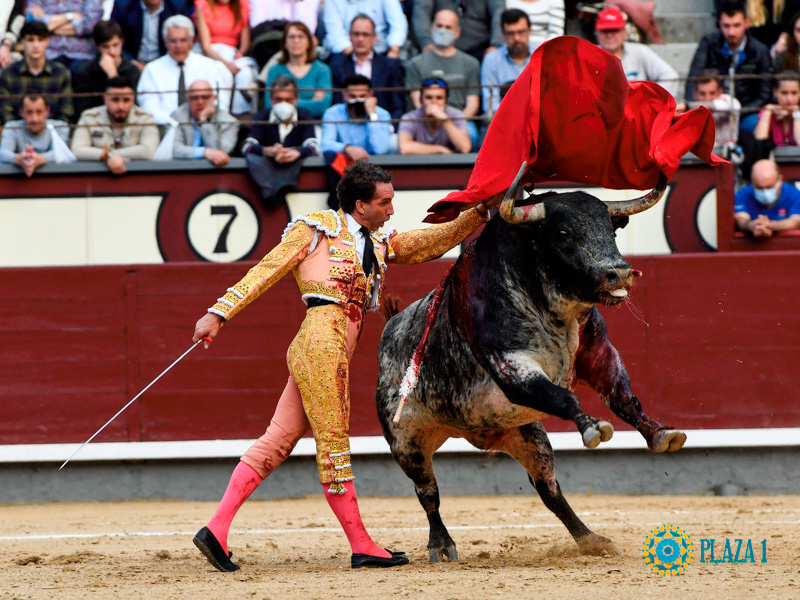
[339, 259]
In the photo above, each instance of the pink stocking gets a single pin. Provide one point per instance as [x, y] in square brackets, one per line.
[345, 507]
[243, 482]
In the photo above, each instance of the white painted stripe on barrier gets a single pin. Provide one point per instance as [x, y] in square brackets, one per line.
[198, 449]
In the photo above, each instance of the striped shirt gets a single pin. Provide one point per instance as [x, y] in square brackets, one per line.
[546, 17]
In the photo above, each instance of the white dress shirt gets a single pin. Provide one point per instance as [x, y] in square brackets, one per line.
[363, 68]
[160, 77]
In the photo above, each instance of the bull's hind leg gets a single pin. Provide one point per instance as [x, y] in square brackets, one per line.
[599, 365]
[531, 448]
[414, 453]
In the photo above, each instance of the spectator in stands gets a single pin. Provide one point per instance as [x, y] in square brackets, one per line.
[298, 60]
[780, 123]
[708, 92]
[769, 205]
[223, 29]
[164, 81]
[116, 132]
[787, 58]
[70, 23]
[109, 63]
[142, 22]
[305, 11]
[391, 26]
[509, 61]
[28, 143]
[357, 127]
[460, 70]
[718, 50]
[276, 146]
[546, 17]
[382, 71]
[480, 25]
[639, 62]
[434, 128]
[770, 20]
[12, 18]
[204, 130]
[35, 74]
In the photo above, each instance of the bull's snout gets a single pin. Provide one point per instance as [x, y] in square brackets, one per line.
[618, 277]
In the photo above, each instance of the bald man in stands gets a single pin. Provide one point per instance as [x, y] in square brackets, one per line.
[769, 205]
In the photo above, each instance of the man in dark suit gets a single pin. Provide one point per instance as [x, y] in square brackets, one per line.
[382, 71]
[141, 27]
[733, 41]
[282, 137]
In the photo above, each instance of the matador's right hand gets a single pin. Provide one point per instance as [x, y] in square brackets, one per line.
[207, 327]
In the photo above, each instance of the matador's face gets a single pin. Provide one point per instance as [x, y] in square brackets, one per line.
[378, 210]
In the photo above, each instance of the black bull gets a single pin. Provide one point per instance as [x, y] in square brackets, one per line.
[516, 329]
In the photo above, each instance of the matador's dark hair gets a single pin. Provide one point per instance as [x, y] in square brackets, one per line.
[358, 183]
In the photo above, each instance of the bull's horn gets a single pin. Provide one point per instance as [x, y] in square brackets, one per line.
[625, 208]
[519, 214]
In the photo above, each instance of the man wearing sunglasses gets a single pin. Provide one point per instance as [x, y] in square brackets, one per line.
[434, 128]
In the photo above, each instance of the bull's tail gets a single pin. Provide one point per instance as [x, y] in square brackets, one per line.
[410, 378]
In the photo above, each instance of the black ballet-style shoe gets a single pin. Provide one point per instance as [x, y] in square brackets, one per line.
[366, 560]
[212, 549]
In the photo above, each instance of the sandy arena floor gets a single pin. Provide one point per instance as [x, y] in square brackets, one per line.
[509, 546]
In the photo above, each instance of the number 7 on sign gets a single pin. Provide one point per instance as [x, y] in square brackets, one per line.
[222, 242]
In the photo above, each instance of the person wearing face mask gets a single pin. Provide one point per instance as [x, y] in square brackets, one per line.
[444, 60]
[769, 205]
[279, 141]
[357, 127]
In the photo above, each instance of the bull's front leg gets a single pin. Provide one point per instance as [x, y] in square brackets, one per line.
[523, 381]
[600, 366]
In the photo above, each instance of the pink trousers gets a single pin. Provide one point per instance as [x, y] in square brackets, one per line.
[316, 396]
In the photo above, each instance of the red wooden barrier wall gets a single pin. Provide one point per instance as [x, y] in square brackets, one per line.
[711, 341]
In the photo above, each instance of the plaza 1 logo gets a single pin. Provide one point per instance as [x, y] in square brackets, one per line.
[668, 550]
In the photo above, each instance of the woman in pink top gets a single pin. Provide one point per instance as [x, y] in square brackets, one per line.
[780, 123]
[224, 33]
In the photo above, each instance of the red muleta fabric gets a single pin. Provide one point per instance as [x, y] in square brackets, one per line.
[573, 116]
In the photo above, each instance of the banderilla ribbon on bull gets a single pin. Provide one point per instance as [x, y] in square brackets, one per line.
[121, 410]
[410, 378]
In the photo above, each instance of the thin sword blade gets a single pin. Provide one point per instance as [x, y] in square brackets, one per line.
[164, 372]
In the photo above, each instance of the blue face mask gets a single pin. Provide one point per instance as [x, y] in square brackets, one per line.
[766, 197]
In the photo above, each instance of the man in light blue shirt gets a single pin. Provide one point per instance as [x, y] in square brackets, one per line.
[391, 25]
[509, 61]
[357, 127]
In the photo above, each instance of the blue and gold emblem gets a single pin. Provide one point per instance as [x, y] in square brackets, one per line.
[668, 550]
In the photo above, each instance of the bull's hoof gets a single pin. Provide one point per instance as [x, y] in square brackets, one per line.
[437, 554]
[597, 545]
[602, 431]
[668, 440]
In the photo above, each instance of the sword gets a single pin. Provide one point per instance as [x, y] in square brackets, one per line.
[164, 372]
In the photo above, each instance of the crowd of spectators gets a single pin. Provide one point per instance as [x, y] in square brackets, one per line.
[374, 76]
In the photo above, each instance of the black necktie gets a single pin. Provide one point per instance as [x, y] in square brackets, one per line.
[369, 252]
[181, 86]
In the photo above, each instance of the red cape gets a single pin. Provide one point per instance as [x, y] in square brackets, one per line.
[573, 116]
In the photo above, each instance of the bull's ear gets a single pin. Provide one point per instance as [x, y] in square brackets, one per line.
[619, 222]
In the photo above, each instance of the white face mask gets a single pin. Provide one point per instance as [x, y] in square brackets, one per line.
[442, 38]
[283, 111]
[768, 196]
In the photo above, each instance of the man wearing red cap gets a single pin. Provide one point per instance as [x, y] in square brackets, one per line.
[639, 62]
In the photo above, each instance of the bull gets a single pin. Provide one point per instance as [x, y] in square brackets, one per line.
[516, 328]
